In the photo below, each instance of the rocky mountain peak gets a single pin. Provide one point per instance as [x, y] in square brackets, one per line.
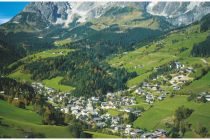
[179, 13]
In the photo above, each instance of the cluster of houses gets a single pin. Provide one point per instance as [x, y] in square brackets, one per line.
[89, 110]
[159, 133]
[149, 97]
[41, 89]
[116, 100]
[127, 130]
[181, 76]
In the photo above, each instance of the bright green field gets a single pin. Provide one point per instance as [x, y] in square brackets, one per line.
[163, 112]
[20, 121]
[55, 83]
[113, 112]
[49, 53]
[11, 112]
[60, 43]
[20, 76]
[198, 86]
[101, 135]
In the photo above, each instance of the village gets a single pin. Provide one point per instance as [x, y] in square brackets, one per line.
[94, 110]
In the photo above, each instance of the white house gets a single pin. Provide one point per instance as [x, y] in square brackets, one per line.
[207, 97]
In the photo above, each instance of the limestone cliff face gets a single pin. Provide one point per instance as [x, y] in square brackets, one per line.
[43, 14]
[179, 13]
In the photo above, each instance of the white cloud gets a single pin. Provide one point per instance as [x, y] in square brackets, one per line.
[4, 20]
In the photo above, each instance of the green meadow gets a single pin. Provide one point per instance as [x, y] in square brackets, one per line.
[197, 86]
[163, 112]
[47, 54]
[17, 122]
[20, 76]
[55, 83]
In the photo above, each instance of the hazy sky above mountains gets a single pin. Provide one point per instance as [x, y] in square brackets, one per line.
[10, 9]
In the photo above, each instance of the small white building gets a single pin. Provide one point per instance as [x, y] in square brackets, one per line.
[207, 97]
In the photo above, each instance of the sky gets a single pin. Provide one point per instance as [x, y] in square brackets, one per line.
[10, 9]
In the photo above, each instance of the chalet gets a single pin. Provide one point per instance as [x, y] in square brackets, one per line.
[115, 120]
[104, 104]
[176, 88]
[128, 130]
[207, 97]
[128, 126]
[147, 135]
[154, 88]
[95, 99]
[127, 110]
[178, 65]
[145, 84]
[84, 112]
[97, 119]
[161, 131]
[65, 110]
[150, 97]
[162, 97]
[139, 91]
[119, 128]
[149, 101]
[75, 112]
[137, 112]
[136, 132]
[100, 124]
[189, 69]
[108, 94]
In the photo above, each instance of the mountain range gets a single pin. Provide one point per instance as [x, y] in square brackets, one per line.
[85, 20]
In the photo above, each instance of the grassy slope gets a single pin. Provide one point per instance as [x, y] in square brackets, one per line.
[151, 56]
[163, 112]
[204, 85]
[48, 53]
[60, 43]
[55, 83]
[11, 112]
[113, 112]
[20, 75]
[20, 121]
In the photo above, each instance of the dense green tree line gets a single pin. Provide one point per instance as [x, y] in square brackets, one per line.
[205, 23]
[83, 70]
[13, 89]
[202, 49]
[22, 95]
